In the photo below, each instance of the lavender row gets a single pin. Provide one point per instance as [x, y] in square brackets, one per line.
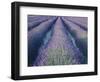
[79, 35]
[60, 48]
[35, 38]
[34, 21]
[82, 22]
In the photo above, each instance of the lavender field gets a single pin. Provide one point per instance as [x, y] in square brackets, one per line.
[57, 40]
